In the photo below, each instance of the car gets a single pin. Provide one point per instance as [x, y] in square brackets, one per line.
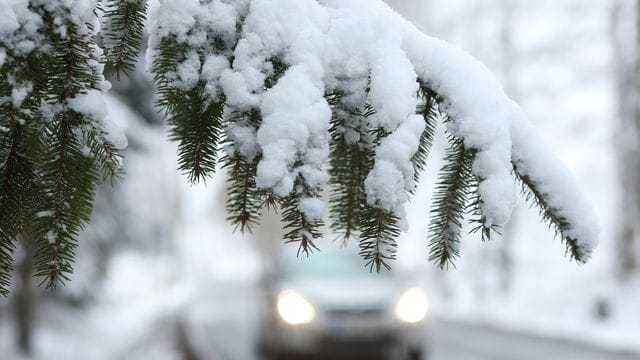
[328, 304]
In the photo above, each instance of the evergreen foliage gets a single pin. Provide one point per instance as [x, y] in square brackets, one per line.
[54, 145]
[378, 237]
[19, 151]
[428, 109]
[350, 160]
[245, 201]
[555, 220]
[450, 200]
[123, 31]
[53, 151]
[195, 122]
[298, 228]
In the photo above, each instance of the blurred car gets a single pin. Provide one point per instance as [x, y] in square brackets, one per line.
[329, 305]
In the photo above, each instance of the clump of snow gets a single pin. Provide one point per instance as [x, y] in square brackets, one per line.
[193, 22]
[113, 134]
[211, 71]
[313, 208]
[245, 138]
[18, 27]
[295, 119]
[93, 105]
[19, 93]
[393, 171]
[187, 74]
[81, 13]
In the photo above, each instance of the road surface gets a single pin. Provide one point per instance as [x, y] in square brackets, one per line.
[232, 335]
[456, 341]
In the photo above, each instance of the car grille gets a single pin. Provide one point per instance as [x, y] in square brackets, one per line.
[356, 313]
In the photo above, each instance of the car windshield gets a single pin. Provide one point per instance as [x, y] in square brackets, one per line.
[331, 262]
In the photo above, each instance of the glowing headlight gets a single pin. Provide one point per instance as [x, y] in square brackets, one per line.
[294, 309]
[412, 306]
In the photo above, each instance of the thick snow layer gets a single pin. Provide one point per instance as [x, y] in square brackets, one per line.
[18, 26]
[296, 121]
[354, 47]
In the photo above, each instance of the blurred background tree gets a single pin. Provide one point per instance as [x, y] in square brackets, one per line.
[625, 20]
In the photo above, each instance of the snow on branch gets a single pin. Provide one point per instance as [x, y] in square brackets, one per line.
[293, 97]
[321, 79]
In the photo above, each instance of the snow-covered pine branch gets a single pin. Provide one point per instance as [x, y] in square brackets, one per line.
[294, 97]
[56, 143]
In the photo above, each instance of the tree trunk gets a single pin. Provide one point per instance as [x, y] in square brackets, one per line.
[25, 296]
[627, 139]
[509, 60]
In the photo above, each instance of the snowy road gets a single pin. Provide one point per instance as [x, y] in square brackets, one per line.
[231, 336]
[454, 341]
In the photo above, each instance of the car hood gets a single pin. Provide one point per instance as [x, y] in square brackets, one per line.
[359, 292]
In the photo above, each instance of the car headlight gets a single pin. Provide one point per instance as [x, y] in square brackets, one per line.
[294, 309]
[412, 306]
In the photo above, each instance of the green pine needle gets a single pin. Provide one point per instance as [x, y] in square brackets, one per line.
[350, 161]
[298, 228]
[478, 219]
[16, 189]
[428, 109]
[123, 32]
[378, 238]
[196, 125]
[244, 200]
[452, 194]
[535, 197]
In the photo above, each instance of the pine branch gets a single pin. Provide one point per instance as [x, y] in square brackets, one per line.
[298, 228]
[195, 122]
[450, 202]
[19, 193]
[536, 197]
[53, 150]
[478, 219]
[350, 160]
[69, 179]
[244, 200]
[196, 125]
[68, 173]
[123, 32]
[20, 151]
[379, 227]
[11, 177]
[378, 237]
[428, 109]
[106, 154]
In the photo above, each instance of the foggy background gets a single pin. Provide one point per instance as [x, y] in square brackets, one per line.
[161, 275]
